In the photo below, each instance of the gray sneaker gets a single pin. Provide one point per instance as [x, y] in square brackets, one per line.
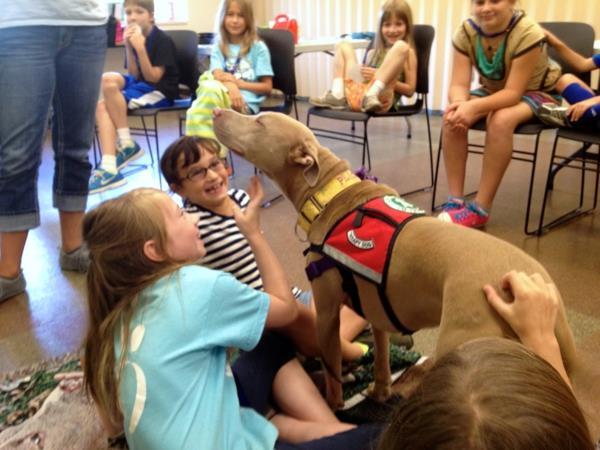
[76, 261]
[9, 287]
[554, 115]
[370, 103]
[328, 100]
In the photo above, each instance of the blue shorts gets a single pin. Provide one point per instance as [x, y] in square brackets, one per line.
[139, 94]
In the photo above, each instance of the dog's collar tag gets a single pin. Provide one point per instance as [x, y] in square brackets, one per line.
[313, 207]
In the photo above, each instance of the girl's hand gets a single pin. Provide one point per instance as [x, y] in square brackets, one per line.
[248, 221]
[367, 72]
[237, 101]
[532, 314]
[576, 111]
[450, 118]
[461, 115]
[224, 77]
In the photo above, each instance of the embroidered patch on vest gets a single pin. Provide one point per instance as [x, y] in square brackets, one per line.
[362, 240]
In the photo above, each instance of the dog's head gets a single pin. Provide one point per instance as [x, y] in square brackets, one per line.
[278, 145]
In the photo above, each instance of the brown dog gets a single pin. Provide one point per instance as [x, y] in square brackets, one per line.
[434, 276]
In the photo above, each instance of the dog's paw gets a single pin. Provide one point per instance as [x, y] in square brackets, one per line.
[379, 392]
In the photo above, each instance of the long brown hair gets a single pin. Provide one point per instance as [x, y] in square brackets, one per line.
[119, 270]
[249, 36]
[392, 9]
[489, 394]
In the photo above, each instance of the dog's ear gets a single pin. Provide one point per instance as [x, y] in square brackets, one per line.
[306, 155]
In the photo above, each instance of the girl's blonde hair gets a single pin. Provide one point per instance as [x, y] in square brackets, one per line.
[116, 232]
[489, 394]
[249, 36]
[393, 9]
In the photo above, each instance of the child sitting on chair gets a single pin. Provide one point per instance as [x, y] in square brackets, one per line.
[240, 74]
[584, 104]
[390, 73]
[151, 82]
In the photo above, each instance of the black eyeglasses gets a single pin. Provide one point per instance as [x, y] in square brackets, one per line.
[199, 173]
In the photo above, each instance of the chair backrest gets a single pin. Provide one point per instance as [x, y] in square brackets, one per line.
[423, 36]
[281, 47]
[577, 35]
[186, 48]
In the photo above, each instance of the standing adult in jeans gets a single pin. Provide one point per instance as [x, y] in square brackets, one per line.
[51, 58]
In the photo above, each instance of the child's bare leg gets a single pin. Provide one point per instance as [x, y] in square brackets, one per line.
[107, 134]
[455, 158]
[303, 333]
[304, 414]
[351, 324]
[344, 60]
[498, 149]
[567, 79]
[115, 108]
[392, 64]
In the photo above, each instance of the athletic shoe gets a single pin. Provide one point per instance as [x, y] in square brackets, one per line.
[127, 154]
[9, 287]
[466, 216]
[102, 180]
[76, 261]
[554, 115]
[370, 103]
[453, 204]
[328, 100]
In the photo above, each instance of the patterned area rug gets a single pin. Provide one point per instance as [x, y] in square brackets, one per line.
[22, 393]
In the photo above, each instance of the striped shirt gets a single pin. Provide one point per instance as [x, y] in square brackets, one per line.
[226, 247]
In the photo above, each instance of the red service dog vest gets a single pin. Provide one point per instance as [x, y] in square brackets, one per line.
[363, 239]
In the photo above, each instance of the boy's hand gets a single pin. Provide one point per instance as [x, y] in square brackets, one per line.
[532, 314]
[248, 220]
[133, 35]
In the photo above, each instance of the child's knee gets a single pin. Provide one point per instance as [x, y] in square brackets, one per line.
[566, 80]
[400, 47]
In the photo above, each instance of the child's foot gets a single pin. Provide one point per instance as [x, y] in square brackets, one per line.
[328, 100]
[470, 216]
[453, 203]
[370, 103]
[103, 179]
[77, 261]
[128, 153]
[554, 115]
[9, 287]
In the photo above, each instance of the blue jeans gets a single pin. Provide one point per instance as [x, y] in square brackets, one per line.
[43, 66]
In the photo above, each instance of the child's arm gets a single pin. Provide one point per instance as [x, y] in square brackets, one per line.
[532, 314]
[466, 113]
[152, 74]
[574, 59]
[283, 308]
[263, 86]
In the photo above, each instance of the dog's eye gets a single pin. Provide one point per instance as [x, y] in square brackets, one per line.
[259, 121]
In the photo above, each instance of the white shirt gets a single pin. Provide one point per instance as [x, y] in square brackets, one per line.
[20, 13]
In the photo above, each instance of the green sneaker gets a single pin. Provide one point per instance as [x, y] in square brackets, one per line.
[102, 180]
[127, 154]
